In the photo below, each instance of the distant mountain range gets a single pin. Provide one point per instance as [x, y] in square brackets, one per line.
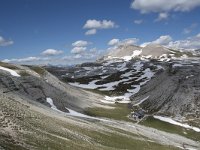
[153, 51]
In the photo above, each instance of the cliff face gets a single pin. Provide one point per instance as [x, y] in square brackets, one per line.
[174, 92]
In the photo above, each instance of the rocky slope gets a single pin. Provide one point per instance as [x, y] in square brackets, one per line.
[121, 51]
[150, 51]
[41, 111]
[174, 92]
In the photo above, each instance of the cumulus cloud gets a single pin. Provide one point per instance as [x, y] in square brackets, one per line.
[4, 42]
[138, 21]
[97, 24]
[164, 7]
[85, 56]
[51, 52]
[93, 25]
[78, 50]
[191, 43]
[162, 16]
[113, 42]
[162, 40]
[91, 32]
[80, 43]
[146, 6]
[79, 46]
[130, 41]
[75, 58]
[117, 42]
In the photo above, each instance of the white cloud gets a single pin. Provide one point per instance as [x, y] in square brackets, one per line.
[129, 41]
[4, 42]
[78, 50]
[80, 46]
[162, 40]
[157, 6]
[51, 52]
[27, 59]
[91, 32]
[190, 43]
[80, 43]
[85, 56]
[113, 42]
[162, 16]
[138, 21]
[145, 44]
[93, 25]
[97, 24]
[190, 28]
[164, 7]
[77, 56]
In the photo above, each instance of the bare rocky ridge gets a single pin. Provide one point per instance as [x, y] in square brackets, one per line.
[174, 92]
[123, 50]
[154, 50]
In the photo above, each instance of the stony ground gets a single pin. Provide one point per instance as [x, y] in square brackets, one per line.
[28, 122]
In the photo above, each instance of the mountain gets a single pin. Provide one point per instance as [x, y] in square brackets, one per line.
[165, 86]
[122, 50]
[155, 51]
[98, 105]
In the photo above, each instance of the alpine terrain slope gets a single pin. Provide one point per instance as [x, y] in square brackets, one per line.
[136, 98]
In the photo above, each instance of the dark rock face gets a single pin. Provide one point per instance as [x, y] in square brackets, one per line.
[174, 91]
[33, 88]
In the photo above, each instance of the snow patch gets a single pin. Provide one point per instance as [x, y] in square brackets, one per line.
[135, 53]
[50, 101]
[170, 120]
[77, 114]
[141, 101]
[90, 85]
[12, 72]
[71, 112]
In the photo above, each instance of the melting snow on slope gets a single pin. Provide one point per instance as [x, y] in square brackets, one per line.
[135, 53]
[126, 77]
[141, 101]
[12, 72]
[50, 101]
[126, 97]
[170, 120]
[138, 65]
[90, 85]
[147, 74]
[71, 112]
[77, 114]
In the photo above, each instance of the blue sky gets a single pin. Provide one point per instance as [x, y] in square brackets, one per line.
[30, 27]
